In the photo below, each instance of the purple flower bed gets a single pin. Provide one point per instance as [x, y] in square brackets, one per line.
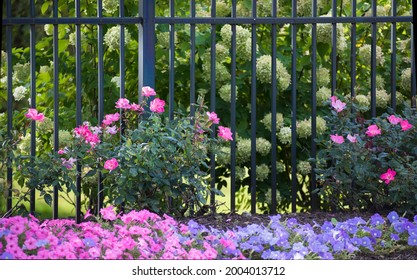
[145, 235]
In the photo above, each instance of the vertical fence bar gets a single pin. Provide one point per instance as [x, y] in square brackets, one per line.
[146, 45]
[171, 60]
[213, 104]
[373, 60]
[32, 96]
[100, 89]
[9, 29]
[274, 93]
[56, 102]
[122, 68]
[192, 59]
[394, 56]
[334, 47]
[313, 181]
[78, 101]
[253, 113]
[294, 182]
[413, 58]
[353, 52]
[233, 113]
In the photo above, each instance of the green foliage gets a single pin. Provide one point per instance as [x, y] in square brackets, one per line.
[351, 173]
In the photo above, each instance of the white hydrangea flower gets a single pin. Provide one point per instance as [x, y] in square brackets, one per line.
[364, 54]
[380, 11]
[240, 173]
[267, 121]
[363, 102]
[284, 135]
[110, 6]
[262, 172]
[263, 72]
[44, 127]
[223, 156]
[304, 128]
[323, 77]
[222, 8]
[304, 168]
[112, 38]
[243, 151]
[116, 80]
[21, 72]
[382, 98]
[263, 146]
[324, 34]
[19, 93]
[323, 95]
[225, 92]
[49, 29]
[65, 139]
[321, 125]
[304, 8]
[405, 80]
[280, 166]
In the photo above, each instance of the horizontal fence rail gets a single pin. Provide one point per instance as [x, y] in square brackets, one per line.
[147, 23]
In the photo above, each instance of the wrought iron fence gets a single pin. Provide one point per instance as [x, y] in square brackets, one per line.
[146, 20]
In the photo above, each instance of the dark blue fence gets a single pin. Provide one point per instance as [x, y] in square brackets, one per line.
[147, 21]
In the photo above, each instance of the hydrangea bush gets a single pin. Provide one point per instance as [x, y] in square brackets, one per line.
[146, 235]
[369, 163]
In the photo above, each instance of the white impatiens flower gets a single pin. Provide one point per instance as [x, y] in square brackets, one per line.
[112, 38]
[19, 93]
[263, 72]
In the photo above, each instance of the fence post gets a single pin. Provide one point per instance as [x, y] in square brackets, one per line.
[146, 45]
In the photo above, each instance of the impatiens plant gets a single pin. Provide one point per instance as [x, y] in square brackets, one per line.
[154, 163]
[377, 168]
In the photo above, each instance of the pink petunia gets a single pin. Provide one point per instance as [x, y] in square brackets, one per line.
[225, 133]
[157, 106]
[337, 139]
[111, 164]
[33, 114]
[388, 176]
[394, 119]
[148, 91]
[68, 163]
[123, 103]
[108, 213]
[111, 129]
[405, 125]
[373, 130]
[213, 117]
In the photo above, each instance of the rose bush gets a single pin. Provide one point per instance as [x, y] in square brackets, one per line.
[375, 168]
[155, 162]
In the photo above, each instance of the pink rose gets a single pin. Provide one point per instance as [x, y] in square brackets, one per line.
[337, 104]
[337, 139]
[111, 164]
[136, 107]
[388, 176]
[110, 118]
[213, 117]
[148, 91]
[352, 139]
[394, 120]
[225, 133]
[123, 103]
[405, 125]
[157, 106]
[34, 115]
[373, 130]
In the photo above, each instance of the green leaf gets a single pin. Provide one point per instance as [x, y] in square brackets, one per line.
[334, 221]
[133, 172]
[62, 45]
[48, 199]
[45, 7]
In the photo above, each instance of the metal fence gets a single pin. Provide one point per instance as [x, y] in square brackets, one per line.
[147, 21]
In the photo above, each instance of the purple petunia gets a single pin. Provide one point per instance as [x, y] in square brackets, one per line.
[392, 216]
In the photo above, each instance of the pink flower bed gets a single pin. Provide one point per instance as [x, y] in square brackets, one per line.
[136, 235]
